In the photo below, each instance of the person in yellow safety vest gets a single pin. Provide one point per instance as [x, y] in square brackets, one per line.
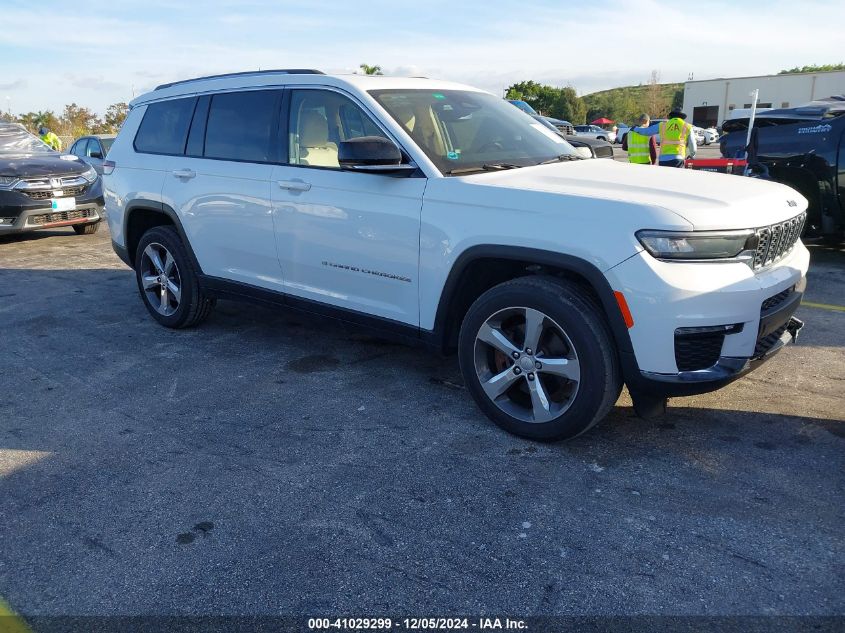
[49, 138]
[642, 149]
[677, 140]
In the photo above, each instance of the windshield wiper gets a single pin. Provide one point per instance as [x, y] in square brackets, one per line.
[484, 167]
[560, 158]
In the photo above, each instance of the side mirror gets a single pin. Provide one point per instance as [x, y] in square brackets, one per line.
[96, 155]
[373, 154]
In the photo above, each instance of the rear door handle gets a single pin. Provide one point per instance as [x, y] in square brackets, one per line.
[294, 185]
[184, 173]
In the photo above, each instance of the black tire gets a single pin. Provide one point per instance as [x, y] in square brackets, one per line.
[563, 304]
[193, 305]
[602, 138]
[86, 229]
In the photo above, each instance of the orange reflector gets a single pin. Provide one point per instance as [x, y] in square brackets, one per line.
[623, 308]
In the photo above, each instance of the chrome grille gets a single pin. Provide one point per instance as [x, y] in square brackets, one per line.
[60, 216]
[776, 241]
[46, 195]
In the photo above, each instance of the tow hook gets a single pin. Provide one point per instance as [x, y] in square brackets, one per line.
[794, 327]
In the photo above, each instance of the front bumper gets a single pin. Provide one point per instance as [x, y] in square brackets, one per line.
[670, 300]
[23, 213]
[725, 371]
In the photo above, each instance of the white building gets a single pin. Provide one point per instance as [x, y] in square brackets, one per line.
[709, 101]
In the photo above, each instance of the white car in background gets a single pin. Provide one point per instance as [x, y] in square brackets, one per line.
[710, 134]
[621, 130]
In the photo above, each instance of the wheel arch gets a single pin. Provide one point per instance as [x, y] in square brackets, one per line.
[143, 215]
[481, 267]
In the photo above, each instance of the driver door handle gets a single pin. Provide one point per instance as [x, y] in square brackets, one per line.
[294, 185]
[184, 173]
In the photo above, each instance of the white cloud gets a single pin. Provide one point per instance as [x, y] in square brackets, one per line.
[489, 44]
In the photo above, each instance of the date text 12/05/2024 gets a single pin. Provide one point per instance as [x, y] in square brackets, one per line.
[417, 624]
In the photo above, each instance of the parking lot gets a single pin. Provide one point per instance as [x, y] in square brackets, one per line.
[265, 463]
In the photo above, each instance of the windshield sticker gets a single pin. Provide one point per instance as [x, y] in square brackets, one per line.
[816, 129]
[437, 95]
[453, 155]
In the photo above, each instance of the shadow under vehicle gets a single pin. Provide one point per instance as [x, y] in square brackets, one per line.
[804, 148]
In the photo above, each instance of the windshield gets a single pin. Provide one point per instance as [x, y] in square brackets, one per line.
[14, 139]
[461, 131]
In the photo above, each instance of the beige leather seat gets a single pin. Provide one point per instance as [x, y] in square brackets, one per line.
[315, 148]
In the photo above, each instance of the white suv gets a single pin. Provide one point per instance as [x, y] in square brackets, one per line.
[441, 213]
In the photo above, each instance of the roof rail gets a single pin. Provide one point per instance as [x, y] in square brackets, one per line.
[246, 73]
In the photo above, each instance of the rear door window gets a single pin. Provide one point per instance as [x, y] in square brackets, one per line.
[241, 126]
[164, 128]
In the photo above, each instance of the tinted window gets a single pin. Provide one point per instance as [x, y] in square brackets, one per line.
[319, 121]
[78, 148]
[93, 147]
[106, 143]
[165, 127]
[240, 126]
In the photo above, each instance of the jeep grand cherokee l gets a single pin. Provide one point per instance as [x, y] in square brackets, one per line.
[41, 188]
[441, 213]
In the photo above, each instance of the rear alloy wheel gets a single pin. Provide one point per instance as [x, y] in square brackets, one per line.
[538, 357]
[168, 284]
[161, 281]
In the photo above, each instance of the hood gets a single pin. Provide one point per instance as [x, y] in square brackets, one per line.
[40, 165]
[707, 200]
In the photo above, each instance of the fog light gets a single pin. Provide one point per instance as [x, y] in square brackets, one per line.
[7, 221]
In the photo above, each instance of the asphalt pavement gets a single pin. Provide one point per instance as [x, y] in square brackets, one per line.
[266, 463]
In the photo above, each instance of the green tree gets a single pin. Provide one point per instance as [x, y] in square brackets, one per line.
[114, 117]
[560, 103]
[370, 70]
[570, 106]
[813, 68]
[678, 100]
[34, 120]
[627, 103]
[77, 121]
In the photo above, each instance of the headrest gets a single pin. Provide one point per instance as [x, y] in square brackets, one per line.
[313, 129]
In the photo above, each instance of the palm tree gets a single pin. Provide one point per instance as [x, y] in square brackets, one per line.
[371, 70]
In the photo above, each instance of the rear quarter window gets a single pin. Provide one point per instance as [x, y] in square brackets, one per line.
[164, 128]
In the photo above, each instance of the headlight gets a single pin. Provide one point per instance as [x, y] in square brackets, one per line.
[90, 174]
[691, 245]
[6, 182]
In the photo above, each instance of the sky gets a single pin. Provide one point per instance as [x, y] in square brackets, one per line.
[99, 52]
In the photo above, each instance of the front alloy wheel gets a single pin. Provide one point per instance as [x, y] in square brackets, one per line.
[537, 355]
[161, 280]
[526, 364]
